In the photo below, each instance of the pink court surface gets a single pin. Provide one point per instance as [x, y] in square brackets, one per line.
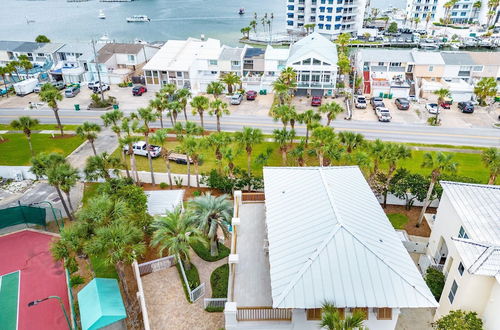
[28, 253]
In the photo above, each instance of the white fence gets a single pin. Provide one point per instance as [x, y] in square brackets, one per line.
[17, 173]
[156, 265]
[198, 292]
[140, 296]
[214, 302]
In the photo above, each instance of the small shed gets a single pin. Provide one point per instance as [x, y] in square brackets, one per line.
[161, 202]
[100, 303]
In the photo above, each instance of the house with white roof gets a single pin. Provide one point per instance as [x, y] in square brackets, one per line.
[74, 61]
[319, 234]
[465, 245]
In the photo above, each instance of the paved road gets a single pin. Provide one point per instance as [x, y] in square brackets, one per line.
[419, 133]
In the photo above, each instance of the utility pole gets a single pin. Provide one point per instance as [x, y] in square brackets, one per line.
[98, 71]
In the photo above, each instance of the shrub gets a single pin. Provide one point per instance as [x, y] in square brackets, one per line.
[163, 185]
[435, 281]
[226, 184]
[204, 251]
[192, 276]
[218, 281]
[196, 193]
[459, 320]
[433, 121]
[76, 280]
[71, 265]
[178, 181]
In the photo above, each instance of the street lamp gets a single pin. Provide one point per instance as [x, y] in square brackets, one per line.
[36, 302]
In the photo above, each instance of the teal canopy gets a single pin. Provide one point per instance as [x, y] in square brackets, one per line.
[100, 303]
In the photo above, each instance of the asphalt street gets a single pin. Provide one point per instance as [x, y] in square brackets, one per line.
[417, 133]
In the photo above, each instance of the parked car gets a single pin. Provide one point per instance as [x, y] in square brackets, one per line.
[236, 99]
[38, 88]
[92, 84]
[467, 107]
[377, 102]
[251, 95]
[383, 114]
[446, 104]
[101, 88]
[316, 101]
[139, 148]
[432, 108]
[58, 84]
[360, 102]
[139, 90]
[72, 91]
[402, 103]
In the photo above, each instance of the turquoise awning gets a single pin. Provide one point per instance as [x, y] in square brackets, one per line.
[100, 303]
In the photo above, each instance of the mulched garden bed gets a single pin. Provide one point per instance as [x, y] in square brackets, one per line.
[412, 214]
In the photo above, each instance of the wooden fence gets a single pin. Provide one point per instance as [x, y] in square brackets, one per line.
[263, 314]
[253, 197]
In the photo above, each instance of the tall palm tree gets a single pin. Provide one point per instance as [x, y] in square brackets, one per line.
[253, 25]
[321, 140]
[343, 41]
[218, 108]
[112, 119]
[98, 167]
[439, 163]
[344, 65]
[159, 137]
[26, 124]
[332, 320]
[284, 139]
[229, 154]
[281, 90]
[174, 108]
[50, 95]
[246, 32]
[392, 155]
[442, 94]
[191, 147]
[216, 88]
[351, 140]
[167, 92]
[217, 141]
[376, 150]
[331, 110]
[231, 79]
[176, 232]
[89, 132]
[199, 104]
[67, 177]
[491, 159]
[299, 153]
[25, 63]
[183, 95]
[13, 67]
[247, 139]
[311, 119]
[128, 140]
[289, 76]
[212, 214]
[146, 116]
[159, 105]
[285, 113]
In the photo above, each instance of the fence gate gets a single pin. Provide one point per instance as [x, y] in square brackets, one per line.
[197, 293]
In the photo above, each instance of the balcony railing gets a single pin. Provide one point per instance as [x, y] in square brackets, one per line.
[263, 314]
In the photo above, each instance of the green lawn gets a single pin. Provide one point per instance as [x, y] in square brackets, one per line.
[89, 191]
[398, 220]
[50, 127]
[15, 150]
[101, 269]
[218, 281]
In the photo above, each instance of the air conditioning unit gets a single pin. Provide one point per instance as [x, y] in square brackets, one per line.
[18, 176]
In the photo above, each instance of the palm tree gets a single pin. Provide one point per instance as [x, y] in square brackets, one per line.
[253, 25]
[191, 146]
[427, 20]
[217, 141]
[343, 40]
[26, 124]
[218, 108]
[289, 76]
[442, 94]
[332, 320]
[439, 163]
[231, 79]
[284, 139]
[351, 140]
[299, 153]
[13, 67]
[112, 119]
[167, 92]
[212, 214]
[475, 8]
[128, 140]
[159, 137]
[183, 95]
[392, 155]
[174, 108]
[147, 116]
[229, 155]
[99, 166]
[199, 104]
[331, 110]
[247, 139]
[376, 150]
[344, 65]
[491, 159]
[216, 88]
[281, 90]
[25, 63]
[285, 113]
[176, 232]
[66, 176]
[50, 95]
[159, 105]
[311, 119]
[485, 88]
[246, 32]
[89, 132]
[321, 140]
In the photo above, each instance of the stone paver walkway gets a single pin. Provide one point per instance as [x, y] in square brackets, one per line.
[205, 269]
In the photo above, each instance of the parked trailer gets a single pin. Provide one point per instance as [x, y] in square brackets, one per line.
[179, 158]
[26, 86]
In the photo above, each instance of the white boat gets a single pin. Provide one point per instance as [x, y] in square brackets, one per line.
[428, 45]
[454, 45]
[101, 14]
[138, 18]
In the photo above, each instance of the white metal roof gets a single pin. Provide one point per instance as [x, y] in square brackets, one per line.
[314, 45]
[479, 258]
[160, 202]
[329, 240]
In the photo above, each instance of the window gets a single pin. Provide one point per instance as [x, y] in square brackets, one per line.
[314, 314]
[453, 291]
[380, 63]
[316, 62]
[431, 68]
[462, 233]
[289, 23]
[461, 268]
[235, 63]
[477, 68]
[384, 314]
[395, 64]
[330, 10]
[306, 62]
[463, 13]
[179, 74]
[363, 310]
[212, 62]
[131, 58]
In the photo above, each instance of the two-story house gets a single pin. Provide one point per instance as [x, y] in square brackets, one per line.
[486, 64]
[465, 245]
[316, 235]
[74, 60]
[231, 60]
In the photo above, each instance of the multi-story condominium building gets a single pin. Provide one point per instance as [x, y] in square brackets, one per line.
[331, 17]
[465, 245]
[316, 235]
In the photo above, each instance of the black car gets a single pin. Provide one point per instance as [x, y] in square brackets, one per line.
[402, 103]
[467, 107]
[377, 102]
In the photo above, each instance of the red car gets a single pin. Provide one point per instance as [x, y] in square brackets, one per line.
[251, 95]
[445, 105]
[139, 90]
[316, 101]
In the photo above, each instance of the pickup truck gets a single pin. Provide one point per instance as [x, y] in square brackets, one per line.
[383, 114]
[139, 149]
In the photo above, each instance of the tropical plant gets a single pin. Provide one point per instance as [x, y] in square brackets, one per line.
[299, 152]
[343, 41]
[128, 140]
[216, 88]
[112, 119]
[491, 159]
[212, 214]
[175, 232]
[89, 132]
[199, 104]
[231, 79]
[285, 113]
[174, 108]
[253, 25]
[309, 27]
[284, 139]
[331, 110]
[25, 124]
[41, 38]
[218, 108]
[460, 320]
[217, 141]
[50, 95]
[281, 90]
[183, 95]
[351, 140]
[159, 137]
[13, 67]
[408, 186]
[344, 65]
[435, 280]
[392, 155]
[439, 163]
[146, 116]
[321, 140]
[99, 167]
[191, 147]
[247, 138]
[65, 177]
[311, 119]
[485, 88]
[376, 150]
[25, 63]
[4, 71]
[245, 32]
[332, 320]
[229, 154]
[159, 105]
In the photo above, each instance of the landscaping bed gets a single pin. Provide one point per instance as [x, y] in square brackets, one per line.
[412, 216]
[219, 282]
[204, 252]
[192, 276]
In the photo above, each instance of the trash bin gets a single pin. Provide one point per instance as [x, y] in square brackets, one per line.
[390, 96]
[265, 91]
[77, 107]
[115, 106]
[381, 94]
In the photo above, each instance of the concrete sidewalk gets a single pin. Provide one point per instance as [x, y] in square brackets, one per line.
[106, 142]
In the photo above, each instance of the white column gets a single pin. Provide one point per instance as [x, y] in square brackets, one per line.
[230, 311]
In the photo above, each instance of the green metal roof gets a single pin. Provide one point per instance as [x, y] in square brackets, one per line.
[100, 303]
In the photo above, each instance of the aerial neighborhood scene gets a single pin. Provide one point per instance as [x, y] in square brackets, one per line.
[253, 165]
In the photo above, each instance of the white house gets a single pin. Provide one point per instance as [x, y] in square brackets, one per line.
[320, 235]
[465, 244]
[74, 61]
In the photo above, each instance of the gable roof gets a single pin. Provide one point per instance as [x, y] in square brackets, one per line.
[329, 240]
[385, 55]
[110, 49]
[230, 53]
[161, 202]
[314, 43]
[426, 58]
[457, 58]
[479, 258]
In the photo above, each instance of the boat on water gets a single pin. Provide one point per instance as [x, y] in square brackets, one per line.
[138, 18]
[101, 14]
[428, 45]
[241, 11]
